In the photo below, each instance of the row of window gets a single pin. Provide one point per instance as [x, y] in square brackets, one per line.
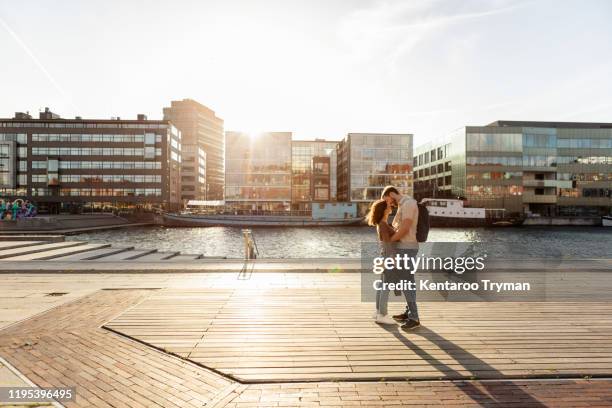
[22, 151]
[537, 160]
[257, 193]
[73, 137]
[440, 168]
[495, 160]
[494, 175]
[121, 165]
[373, 193]
[101, 192]
[499, 142]
[585, 176]
[258, 179]
[91, 151]
[432, 155]
[401, 180]
[584, 160]
[255, 166]
[377, 167]
[494, 191]
[102, 178]
[585, 143]
[379, 140]
[380, 153]
[81, 125]
[586, 192]
[14, 137]
[428, 184]
[5, 192]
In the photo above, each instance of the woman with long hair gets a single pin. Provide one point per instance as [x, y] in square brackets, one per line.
[377, 217]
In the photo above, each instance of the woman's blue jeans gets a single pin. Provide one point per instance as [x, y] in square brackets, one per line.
[382, 297]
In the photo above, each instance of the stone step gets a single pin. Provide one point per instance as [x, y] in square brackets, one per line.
[157, 256]
[91, 255]
[56, 253]
[126, 255]
[19, 244]
[184, 257]
[9, 253]
[30, 237]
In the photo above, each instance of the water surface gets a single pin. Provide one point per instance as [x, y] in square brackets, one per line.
[338, 242]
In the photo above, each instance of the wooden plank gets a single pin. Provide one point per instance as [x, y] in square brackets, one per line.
[328, 334]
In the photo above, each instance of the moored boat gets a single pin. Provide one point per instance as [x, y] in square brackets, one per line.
[444, 212]
[228, 220]
[606, 221]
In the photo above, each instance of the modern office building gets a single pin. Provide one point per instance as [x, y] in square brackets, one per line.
[193, 173]
[543, 168]
[432, 170]
[258, 171]
[313, 167]
[367, 162]
[67, 164]
[202, 129]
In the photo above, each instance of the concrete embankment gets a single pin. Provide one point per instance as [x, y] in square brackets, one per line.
[66, 224]
[563, 221]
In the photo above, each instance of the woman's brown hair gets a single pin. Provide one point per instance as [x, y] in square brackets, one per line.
[376, 212]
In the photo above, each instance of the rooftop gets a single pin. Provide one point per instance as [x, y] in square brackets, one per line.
[568, 125]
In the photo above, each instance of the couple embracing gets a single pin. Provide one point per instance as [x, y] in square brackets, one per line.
[398, 238]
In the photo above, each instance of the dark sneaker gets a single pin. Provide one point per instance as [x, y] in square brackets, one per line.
[401, 317]
[411, 324]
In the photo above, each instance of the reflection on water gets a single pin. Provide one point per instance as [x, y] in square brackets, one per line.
[337, 242]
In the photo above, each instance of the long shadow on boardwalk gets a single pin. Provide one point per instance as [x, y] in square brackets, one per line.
[495, 394]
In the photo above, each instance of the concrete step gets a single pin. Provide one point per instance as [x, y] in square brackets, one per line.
[127, 255]
[56, 253]
[29, 237]
[9, 253]
[156, 256]
[19, 244]
[185, 257]
[91, 255]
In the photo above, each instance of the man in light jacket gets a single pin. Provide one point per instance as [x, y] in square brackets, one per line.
[405, 223]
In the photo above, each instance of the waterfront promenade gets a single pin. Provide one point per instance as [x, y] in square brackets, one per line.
[289, 338]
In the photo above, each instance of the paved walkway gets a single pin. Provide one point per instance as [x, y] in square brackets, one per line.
[66, 346]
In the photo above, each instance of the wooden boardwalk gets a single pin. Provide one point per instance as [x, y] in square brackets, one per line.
[328, 334]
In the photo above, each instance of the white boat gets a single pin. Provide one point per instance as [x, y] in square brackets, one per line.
[445, 212]
[228, 220]
[606, 220]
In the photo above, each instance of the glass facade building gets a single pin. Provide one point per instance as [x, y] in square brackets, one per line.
[258, 171]
[367, 162]
[68, 164]
[201, 128]
[313, 168]
[544, 168]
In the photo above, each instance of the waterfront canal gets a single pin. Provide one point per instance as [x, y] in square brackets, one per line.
[338, 242]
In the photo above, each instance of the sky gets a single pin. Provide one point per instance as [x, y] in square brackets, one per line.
[319, 69]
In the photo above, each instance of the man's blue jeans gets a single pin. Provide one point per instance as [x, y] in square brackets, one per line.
[412, 310]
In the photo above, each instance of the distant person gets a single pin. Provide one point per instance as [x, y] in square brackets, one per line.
[15, 208]
[405, 225]
[2, 209]
[377, 217]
